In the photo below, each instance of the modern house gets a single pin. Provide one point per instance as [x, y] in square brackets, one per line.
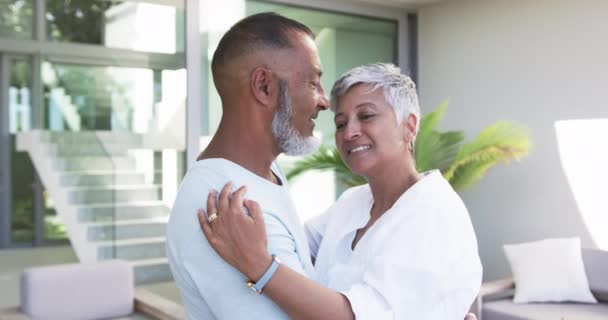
[104, 104]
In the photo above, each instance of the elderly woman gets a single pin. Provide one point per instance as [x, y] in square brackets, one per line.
[400, 247]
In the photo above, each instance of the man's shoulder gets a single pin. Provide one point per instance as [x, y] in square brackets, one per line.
[210, 168]
[192, 193]
[205, 175]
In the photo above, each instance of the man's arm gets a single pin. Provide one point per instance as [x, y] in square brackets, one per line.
[208, 284]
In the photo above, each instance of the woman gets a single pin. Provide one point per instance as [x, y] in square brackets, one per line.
[400, 247]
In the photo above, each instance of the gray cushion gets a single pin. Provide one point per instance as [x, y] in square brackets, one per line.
[135, 316]
[507, 310]
[596, 267]
[78, 291]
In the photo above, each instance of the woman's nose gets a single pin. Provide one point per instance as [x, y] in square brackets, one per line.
[352, 131]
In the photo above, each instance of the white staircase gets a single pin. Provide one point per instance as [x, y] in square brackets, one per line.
[106, 205]
[62, 109]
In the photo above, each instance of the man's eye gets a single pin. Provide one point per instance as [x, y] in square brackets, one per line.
[314, 85]
[366, 116]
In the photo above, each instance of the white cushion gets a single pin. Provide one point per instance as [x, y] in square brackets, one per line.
[78, 291]
[550, 270]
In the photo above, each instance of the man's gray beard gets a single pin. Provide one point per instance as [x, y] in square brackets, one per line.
[289, 140]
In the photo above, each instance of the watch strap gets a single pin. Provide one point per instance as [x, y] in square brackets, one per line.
[261, 283]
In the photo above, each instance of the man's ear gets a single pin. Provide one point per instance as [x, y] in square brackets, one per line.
[263, 85]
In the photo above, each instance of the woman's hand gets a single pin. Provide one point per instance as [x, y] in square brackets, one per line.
[239, 238]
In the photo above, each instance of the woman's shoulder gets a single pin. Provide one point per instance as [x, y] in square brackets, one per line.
[438, 193]
[355, 192]
[354, 197]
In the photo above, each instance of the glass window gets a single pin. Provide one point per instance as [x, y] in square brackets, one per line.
[22, 170]
[132, 25]
[54, 229]
[16, 19]
[83, 98]
[19, 96]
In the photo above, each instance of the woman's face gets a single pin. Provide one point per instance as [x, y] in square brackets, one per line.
[368, 136]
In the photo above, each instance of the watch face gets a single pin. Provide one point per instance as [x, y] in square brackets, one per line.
[251, 286]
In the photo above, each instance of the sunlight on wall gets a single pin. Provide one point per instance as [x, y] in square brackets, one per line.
[583, 149]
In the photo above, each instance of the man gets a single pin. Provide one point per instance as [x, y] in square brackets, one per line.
[267, 72]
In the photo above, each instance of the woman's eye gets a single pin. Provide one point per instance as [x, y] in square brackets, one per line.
[314, 85]
[366, 116]
[339, 126]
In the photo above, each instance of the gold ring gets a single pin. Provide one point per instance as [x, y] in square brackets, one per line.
[212, 217]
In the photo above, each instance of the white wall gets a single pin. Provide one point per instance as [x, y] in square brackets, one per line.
[530, 61]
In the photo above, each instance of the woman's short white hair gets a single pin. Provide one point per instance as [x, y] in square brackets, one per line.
[399, 89]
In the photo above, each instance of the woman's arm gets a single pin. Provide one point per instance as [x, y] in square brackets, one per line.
[303, 298]
[240, 239]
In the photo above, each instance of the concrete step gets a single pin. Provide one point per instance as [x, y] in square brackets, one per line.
[122, 211]
[130, 229]
[88, 149]
[119, 163]
[87, 137]
[158, 176]
[64, 137]
[98, 195]
[152, 271]
[133, 249]
[101, 178]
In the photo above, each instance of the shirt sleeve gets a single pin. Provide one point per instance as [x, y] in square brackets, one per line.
[282, 243]
[213, 285]
[314, 229]
[221, 285]
[408, 292]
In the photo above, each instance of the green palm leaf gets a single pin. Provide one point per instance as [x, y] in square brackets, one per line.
[327, 158]
[437, 150]
[497, 143]
[434, 149]
[430, 121]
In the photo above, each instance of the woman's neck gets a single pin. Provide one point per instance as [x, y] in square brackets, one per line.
[389, 184]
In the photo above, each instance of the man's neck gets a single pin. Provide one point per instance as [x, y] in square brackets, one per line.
[248, 147]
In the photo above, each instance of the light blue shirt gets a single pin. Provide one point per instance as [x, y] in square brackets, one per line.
[211, 288]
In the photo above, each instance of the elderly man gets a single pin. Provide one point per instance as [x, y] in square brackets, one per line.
[267, 72]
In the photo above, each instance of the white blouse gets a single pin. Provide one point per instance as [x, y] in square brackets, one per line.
[418, 261]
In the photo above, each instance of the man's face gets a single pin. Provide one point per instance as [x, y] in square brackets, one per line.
[301, 97]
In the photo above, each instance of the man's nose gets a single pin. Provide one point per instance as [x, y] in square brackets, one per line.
[323, 99]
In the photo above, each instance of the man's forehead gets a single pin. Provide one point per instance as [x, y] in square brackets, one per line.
[307, 43]
[300, 59]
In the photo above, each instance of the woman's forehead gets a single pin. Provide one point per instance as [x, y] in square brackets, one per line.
[362, 96]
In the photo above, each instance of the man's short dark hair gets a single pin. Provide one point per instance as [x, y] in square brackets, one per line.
[258, 31]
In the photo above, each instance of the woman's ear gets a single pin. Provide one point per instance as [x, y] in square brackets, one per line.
[410, 127]
[264, 86]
